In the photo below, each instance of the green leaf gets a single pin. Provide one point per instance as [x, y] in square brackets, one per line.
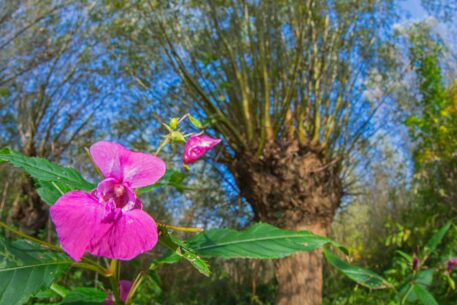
[44, 171]
[362, 276]
[169, 258]
[435, 240]
[424, 296]
[51, 191]
[172, 177]
[25, 269]
[407, 257]
[425, 277]
[179, 249]
[84, 296]
[261, 241]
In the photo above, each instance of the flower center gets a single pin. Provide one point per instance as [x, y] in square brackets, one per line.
[116, 192]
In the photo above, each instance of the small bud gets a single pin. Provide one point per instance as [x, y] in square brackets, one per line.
[174, 123]
[177, 137]
[451, 263]
[415, 263]
[196, 147]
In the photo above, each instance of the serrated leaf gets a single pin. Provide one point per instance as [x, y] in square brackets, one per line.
[25, 269]
[179, 249]
[44, 171]
[424, 296]
[260, 241]
[362, 276]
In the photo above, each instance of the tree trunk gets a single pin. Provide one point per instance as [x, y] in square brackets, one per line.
[294, 188]
[299, 276]
[30, 212]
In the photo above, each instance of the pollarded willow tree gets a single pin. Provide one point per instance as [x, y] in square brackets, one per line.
[282, 83]
[52, 86]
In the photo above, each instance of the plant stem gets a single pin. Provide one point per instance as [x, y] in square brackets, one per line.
[114, 280]
[30, 238]
[405, 297]
[86, 263]
[136, 283]
[91, 267]
[185, 229]
[161, 145]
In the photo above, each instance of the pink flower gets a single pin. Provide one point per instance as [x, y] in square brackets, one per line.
[110, 221]
[124, 289]
[451, 263]
[197, 146]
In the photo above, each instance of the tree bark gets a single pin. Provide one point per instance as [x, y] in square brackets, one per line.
[299, 276]
[30, 212]
[295, 188]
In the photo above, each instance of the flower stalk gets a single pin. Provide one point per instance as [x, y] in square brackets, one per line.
[114, 281]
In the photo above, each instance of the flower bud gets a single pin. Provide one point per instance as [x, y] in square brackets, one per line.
[177, 137]
[174, 123]
[196, 147]
[451, 263]
[415, 263]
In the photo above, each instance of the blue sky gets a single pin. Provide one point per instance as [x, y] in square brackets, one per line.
[413, 9]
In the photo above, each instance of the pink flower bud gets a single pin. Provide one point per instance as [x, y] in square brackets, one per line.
[451, 263]
[196, 147]
[415, 263]
[124, 289]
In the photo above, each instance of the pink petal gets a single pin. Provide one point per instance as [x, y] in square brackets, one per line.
[75, 215]
[134, 168]
[128, 235]
[142, 169]
[107, 156]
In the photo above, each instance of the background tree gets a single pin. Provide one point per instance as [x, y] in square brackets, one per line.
[51, 87]
[281, 82]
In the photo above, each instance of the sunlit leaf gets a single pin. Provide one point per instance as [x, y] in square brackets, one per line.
[261, 241]
[360, 275]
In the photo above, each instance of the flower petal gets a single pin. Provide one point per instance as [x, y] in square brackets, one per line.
[75, 215]
[134, 168]
[128, 235]
[107, 156]
[142, 169]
